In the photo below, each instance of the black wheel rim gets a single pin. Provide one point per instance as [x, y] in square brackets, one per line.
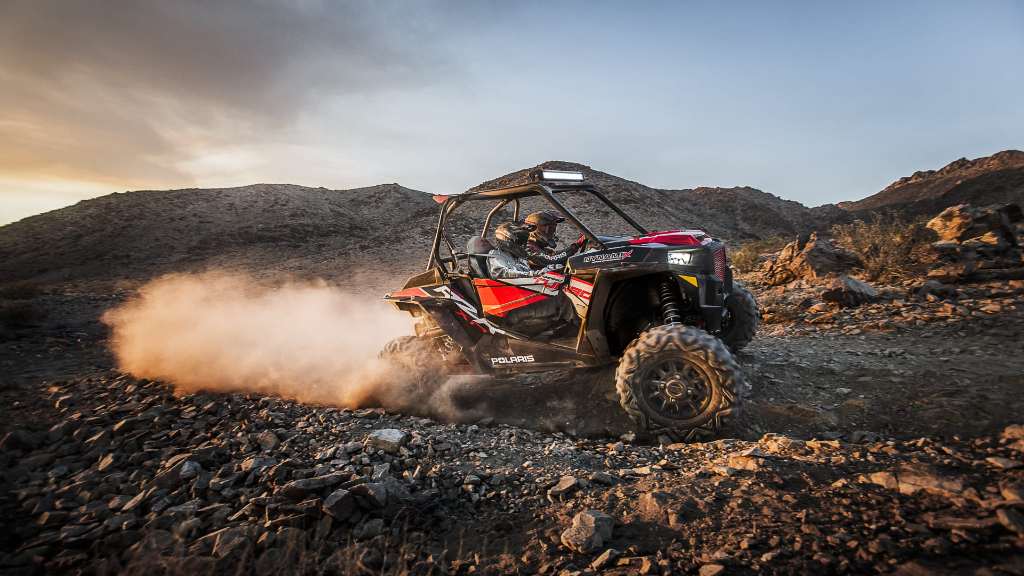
[676, 389]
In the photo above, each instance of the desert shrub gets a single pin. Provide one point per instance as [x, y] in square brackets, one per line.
[890, 247]
[745, 257]
[19, 291]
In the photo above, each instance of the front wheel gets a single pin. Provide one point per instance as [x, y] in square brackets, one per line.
[679, 381]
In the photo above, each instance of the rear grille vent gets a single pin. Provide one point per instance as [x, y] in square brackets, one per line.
[719, 257]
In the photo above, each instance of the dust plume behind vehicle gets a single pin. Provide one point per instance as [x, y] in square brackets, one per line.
[302, 340]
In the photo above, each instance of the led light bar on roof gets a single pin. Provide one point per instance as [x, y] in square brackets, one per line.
[562, 175]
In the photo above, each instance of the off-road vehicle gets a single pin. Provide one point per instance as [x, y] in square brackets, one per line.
[662, 305]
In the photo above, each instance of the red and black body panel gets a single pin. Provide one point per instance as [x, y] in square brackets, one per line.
[480, 330]
[703, 282]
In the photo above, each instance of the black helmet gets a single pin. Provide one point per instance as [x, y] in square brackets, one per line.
[544, 223]
[511, 237]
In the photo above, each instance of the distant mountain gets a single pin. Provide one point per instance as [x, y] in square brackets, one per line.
[987, 180]
[340, 234]
[373, 238]
[368, 237]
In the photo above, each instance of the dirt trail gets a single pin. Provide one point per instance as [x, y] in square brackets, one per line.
[88, 439]
[962, 380]
[938, 380]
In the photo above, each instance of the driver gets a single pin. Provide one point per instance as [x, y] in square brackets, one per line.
[540, 246]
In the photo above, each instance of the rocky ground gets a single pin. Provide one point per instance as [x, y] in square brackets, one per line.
[881, 433]
[880, 440]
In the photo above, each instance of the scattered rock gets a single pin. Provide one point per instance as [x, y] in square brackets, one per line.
[1004, 463]
[1011, 519]
[107, 462]
[340, 504]
[171, 477]
[387, 439]
[712, 570]
[750, 459]
[848, 292]
[268, 441]
[369, 529]
[912, 478]
[936, 289]
[1013, 491]
[605, 559]
[298, 489]
[655, 506]
[588, 532]
[1013, 432]
[565, 485]
[373, 495]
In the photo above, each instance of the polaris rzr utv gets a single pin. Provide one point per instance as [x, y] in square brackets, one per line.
[662, 305]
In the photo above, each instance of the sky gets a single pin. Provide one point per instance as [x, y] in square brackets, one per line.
[813, 101]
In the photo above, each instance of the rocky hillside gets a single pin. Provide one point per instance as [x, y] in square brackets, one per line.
[284, 227]
[345, 235]
[994, 179]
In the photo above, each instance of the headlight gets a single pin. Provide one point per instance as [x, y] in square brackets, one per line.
[680, 257]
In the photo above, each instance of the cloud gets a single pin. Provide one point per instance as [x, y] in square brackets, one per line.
[129, 92]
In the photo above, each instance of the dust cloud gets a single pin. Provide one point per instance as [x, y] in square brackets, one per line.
[306, 341]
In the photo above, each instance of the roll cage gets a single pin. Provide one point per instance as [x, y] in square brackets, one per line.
[513, 194]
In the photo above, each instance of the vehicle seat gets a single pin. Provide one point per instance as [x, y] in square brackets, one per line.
[476, 252]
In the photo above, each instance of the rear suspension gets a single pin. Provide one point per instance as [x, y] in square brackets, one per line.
[670, 306]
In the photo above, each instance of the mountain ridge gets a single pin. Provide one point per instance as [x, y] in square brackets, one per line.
[985, 180]
[372, 234]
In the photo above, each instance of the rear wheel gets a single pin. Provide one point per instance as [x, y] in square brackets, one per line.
[417, 369]
[741, 318]
[679, 381]
[413, 352]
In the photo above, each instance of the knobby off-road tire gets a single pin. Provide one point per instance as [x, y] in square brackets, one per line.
[742, 318]
[413, 353]
[705, 384]
[420, 370]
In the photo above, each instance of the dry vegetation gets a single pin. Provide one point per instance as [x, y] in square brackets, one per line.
[890, 247]
[746, 257]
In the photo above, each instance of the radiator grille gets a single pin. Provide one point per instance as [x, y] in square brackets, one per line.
[719, 257]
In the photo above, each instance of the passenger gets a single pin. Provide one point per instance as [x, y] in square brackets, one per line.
[540, 247]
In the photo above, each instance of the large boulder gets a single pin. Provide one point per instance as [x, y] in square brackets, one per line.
[964, 222]
[808, 258]
[974, 239]
[848, 292]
